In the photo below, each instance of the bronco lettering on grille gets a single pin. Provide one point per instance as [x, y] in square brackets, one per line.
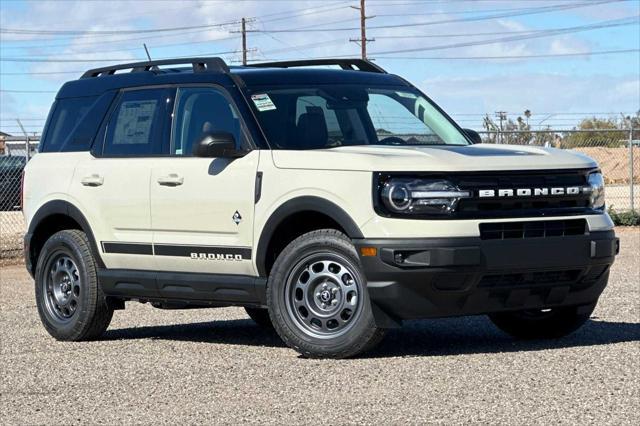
[531, 192]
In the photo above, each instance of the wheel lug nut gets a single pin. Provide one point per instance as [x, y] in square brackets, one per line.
[324, 286]
[334, 290]
[324, 305]
[334, 302]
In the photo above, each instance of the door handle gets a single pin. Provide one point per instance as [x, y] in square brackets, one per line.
[92, 180]
[171, 180]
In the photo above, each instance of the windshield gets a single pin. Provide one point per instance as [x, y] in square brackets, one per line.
[349, 115]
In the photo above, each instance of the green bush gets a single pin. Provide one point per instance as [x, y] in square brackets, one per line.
[625, 218]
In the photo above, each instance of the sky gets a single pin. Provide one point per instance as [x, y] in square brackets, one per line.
[564, 60]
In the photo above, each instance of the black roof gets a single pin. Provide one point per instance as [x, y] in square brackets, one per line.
[215, 70]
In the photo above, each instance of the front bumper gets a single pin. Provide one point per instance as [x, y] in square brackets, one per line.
[441, 277]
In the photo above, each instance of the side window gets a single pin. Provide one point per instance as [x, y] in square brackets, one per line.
[200, 110]
[67, 114]
[82, 136]
[137, 123]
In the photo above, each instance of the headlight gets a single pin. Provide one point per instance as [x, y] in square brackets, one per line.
[596, 188]
[434, 197]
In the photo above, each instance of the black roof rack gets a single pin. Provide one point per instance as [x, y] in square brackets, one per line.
[345, 64]
[198, 64]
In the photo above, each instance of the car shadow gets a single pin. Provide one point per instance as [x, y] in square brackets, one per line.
[231, 332]
[476, 335]
[441, 337]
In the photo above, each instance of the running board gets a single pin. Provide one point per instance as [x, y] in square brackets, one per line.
[183, 287]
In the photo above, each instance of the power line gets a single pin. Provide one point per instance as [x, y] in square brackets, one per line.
[455, 12]
[111, 32]
[540, 34]
[441, 35]
[96, 42]
[605, 24]
[131, 49]
[41, 72]
[289, 15]
[200, 27]
[27, 91]
[532, 11]
[549, 55]
[89, 60]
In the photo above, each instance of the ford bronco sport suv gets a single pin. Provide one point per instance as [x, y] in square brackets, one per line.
[331, 203]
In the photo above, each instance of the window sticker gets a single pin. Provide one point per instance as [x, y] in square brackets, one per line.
[263, 102]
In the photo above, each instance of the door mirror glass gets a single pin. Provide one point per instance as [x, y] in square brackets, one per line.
[473, 136]
[216, 144]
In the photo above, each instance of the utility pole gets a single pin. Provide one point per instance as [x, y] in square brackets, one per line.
[244, 41]
[363, 29]
[27, 145]
[502, 115]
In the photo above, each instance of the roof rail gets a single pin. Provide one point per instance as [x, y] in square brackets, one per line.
[199, 65]
[345, 64]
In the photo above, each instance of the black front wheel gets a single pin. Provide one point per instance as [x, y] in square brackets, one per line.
[542, 323]
[317, 297]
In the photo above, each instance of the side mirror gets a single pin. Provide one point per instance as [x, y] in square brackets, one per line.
[473, 136]
[216, 144]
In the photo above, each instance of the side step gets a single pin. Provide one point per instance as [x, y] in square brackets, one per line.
[183, 287]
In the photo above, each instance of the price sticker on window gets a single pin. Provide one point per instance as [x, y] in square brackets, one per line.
[263, 102]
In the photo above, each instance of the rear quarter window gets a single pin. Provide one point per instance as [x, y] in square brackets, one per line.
[75, 122]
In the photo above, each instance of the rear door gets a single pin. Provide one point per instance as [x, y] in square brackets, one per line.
[113, 185]
[202, 208]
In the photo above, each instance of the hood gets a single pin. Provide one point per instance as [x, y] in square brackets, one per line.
[479, 157]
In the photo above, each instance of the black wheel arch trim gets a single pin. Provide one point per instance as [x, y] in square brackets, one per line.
[59, 207]
[297, 205]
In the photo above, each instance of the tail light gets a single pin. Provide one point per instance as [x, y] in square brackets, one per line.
[22, 191]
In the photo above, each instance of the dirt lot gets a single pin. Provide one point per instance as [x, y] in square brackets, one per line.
[614, 163]
[215, 366]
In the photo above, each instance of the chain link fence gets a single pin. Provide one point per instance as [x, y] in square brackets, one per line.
[616, 151]
[15, 152]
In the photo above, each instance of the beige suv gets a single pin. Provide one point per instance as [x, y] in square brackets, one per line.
[331, 203]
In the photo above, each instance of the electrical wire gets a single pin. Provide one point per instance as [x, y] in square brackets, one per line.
[532, 11]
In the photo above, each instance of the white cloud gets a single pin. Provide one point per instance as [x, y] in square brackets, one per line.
[539, 92]
[567, 45]
[510, 91]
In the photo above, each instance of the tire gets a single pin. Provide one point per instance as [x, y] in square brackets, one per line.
[543, 324]
[317, 297]
[70, 301]
[260, 316]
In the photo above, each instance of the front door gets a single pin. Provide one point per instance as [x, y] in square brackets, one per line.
[202, 208]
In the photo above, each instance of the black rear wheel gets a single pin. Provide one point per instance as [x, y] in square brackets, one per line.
[68, 295]
[542, 323]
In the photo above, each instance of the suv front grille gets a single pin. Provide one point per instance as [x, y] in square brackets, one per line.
[535, 229]
[519, 206]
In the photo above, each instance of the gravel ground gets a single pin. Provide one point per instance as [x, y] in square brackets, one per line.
[215, 366]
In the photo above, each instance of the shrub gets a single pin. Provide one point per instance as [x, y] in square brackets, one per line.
[625, 217]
